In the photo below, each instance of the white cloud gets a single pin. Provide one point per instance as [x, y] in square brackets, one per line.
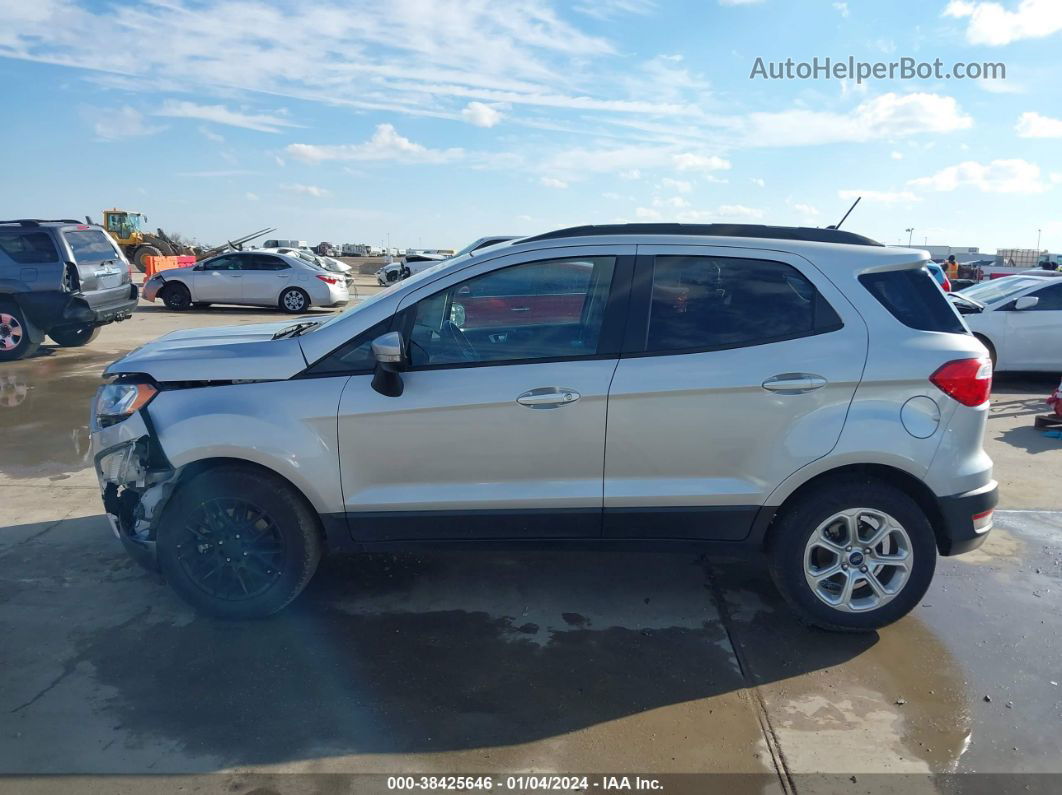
[210, 135]
[676, 202]
[841, 8]
[385, 144]
[689, 161]
[647, 214]
[1033, 125]
[553, 182]
[480, 114]
[606, 9]
[759, 182]
[251, 197]
[999, 176]
[219, 114]
[991, 23]
[631, 173]
[806, 209]
[886, 116]
[308, 190]
[896, 155]
[739, 2]
[113, 124]
[676, 184]
[879, 196]
[736, 213]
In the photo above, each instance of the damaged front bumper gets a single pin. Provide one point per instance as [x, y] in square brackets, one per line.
[136, 481]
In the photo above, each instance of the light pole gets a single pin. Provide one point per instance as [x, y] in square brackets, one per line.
[1038, 231]
[910, 233]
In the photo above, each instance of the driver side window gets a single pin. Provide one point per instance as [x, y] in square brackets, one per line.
[537, 310]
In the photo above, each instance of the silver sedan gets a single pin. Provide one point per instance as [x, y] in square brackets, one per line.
[251, 278]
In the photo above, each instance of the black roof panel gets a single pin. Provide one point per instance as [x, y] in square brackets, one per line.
[807, 233]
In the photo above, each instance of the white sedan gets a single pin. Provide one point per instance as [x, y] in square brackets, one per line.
[251, 278]
[1021, 320]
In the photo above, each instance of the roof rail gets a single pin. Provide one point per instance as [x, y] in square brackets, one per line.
[807, 233]
[39, 221]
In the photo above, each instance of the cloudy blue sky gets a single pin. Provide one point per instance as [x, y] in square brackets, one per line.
[437, 121]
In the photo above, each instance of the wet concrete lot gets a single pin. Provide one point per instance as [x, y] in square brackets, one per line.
[472, 662]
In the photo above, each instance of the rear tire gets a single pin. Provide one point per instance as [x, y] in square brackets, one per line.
[74, 336]
[813, 537]
[294, 301]
[176, 297]
[15, 342]
[238, 543]
[991, 349]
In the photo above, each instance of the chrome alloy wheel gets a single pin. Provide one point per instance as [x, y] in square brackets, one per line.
[858, 559]
[294, 301]
[11, 332]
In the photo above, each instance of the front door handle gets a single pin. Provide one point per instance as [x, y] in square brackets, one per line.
[548, 397]
[794, 383]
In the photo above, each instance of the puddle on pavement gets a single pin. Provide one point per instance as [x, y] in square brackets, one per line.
[453, 653]
[44, 413]
[893, 701]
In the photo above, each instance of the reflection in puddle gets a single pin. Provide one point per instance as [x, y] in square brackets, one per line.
[44, 411]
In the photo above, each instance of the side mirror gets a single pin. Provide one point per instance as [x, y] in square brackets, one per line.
[1026, 302]
[389, 352]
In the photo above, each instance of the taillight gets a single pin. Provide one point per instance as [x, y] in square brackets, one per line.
[969, 381]
[327, 279]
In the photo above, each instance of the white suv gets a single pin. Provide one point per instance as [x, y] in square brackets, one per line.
[808, 393]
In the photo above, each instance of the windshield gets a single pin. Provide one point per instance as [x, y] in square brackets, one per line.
[999, 289]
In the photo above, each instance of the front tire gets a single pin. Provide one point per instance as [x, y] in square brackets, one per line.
[141, 253]
[74, 336]
[238, 543]
[294, 301]
[177, 297]
[15, 342]
[854, 554]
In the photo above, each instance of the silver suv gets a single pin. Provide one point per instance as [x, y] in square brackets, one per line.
[61, 278]
[807, 393]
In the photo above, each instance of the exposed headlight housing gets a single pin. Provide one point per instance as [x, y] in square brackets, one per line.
[120, 400]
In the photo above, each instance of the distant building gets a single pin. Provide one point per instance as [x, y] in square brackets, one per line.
[943, 252]
[1021, 257]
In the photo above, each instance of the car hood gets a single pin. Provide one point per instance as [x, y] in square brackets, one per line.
[225, 353]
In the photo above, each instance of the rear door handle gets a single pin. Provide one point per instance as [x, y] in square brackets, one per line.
[794, 383]
[548, 397]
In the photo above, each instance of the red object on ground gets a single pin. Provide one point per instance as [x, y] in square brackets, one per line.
[1055, 401]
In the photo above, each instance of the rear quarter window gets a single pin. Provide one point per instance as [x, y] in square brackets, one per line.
[90, 245]
[914, 298]
[28, 248]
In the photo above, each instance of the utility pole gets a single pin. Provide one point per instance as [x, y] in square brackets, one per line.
[910, 233]
[1038, 231]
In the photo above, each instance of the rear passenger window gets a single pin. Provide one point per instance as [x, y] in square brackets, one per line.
[704, 303]
[91, 245]
[914, 298]
[28, 248]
